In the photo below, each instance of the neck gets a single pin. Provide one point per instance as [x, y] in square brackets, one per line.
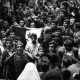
[19, 53]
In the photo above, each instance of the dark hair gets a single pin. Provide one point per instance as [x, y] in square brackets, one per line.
[34, 35]
[53, 74]
[44, 63]
[66, 74]
[53, 42]
[67, 20]
[48, 31]
[9, 39]
[68, 44]
[68, 60]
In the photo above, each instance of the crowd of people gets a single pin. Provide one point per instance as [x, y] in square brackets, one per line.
[55, 55]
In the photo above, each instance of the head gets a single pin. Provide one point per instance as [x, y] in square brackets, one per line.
[52, 46]
[12, 34]
[9, 43]
[40, 51]
[6, 24]
[72, 21]
[49, 19]
[68, 44]
[61, 13]
[47, 33]
[67, 61]
[34, 38]
[53, 24]
[44, 63]
[66, 73]
[66, 23]
[19, 47]
[13, 19]
[32, 25]
[2, 33]
[4, 41]
[21, 23]
[25, 20]
[53, 74]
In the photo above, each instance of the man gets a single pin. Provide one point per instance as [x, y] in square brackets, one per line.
[32, 48]
[20, 59]
[53, 56]
[7, 63]
[21, 23]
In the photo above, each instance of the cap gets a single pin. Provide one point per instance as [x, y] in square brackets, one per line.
[19, 43]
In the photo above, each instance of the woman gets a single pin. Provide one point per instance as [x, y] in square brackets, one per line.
[29, 73]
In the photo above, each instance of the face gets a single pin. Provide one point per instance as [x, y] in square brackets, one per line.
[8, 44]
[65, 24]
[72, 21]
[61, 14]
[51, 48]
[40, 52]
[33, 40]
[25, 19]
[21, 23]
[53, 25]
[5, 23]
[3, 33]
[49, 19]
[19, 48]
[3, 40]
[12, 34]
[13, 19]
[32, 25]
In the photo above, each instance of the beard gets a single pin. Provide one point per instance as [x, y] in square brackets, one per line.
[34, 42]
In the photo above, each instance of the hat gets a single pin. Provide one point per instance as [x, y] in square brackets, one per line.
[19, 43]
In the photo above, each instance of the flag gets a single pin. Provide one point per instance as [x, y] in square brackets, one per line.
[24, 33]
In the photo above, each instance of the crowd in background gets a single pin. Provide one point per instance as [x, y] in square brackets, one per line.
[56, 53]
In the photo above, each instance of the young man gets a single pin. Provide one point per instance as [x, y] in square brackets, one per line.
[32, 48]
[7, 63]
[54, 58]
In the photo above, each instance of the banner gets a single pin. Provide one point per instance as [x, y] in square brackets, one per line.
[24, 33]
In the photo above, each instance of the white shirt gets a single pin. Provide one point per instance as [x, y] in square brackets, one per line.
[32, 48]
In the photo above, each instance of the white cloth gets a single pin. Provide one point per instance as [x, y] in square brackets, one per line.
[29, 73]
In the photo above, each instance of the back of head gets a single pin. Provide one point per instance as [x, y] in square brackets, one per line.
[66, 74]
[53, 74]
